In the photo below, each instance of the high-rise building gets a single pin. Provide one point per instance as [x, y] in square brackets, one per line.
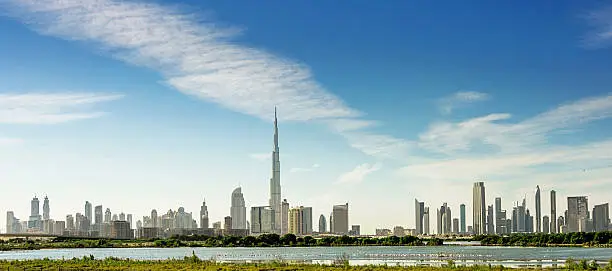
[115, 218]
[59, 227]
[479, 209]
[154, 219]
[462, 217]
[322, 224]
[88, 211]
[553, 211]
[295, 221]
[528, 221]
[577, 210]
[545, 224]
[500, 217]
[121, 216]
[426, 221]
[438, 221]
[10, 222]
[120, 229]
[203, 216]
[275, 184]
[284, 217]
[341, 219]
[419, 210]
[108, 216]
[561, 224]
[98, 215]
[262, 220]
[490, 219]
[70, 223]
[129, 219]
[601, 217]
[444, 219]
[538, 209]
[456, 225]
[46, 209]
[307, 220]
[238, 210]
[35, 221]
[227, 223]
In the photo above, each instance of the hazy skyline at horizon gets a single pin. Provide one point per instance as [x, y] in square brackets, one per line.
[140, 105]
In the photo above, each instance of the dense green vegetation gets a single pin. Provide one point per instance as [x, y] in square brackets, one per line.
[541, 240]
[195, 263]
[274, 240]
[265, 240]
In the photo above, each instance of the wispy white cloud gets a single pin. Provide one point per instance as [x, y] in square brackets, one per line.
[306, 169]
[50, 108]
[497, 132]
[511, 154]
[460, 99]
[359, 173]
[197, 57]
[601, 34]
[261, 156]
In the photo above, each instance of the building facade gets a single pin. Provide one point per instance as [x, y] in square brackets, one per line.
[340, 219]
[479, 208]
[238, 210]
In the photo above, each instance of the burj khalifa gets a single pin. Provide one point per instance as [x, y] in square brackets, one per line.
[275, 186]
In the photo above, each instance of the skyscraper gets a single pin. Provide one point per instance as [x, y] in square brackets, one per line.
[35, 221]
[426, 221]
[419, 209]
[154, 219]
[46, 209]
[538, 210]
[107, 215]
[340, 221]
[577, 210]
[601, 217]
[500, 217]
[306, 220]
[490, 219]
[479, 209]
[262, 220]
[129, 219]
[322, 224]
[445, 219]
[10, 222]
[238, 210]
[455, 225]
[284, 217]
[204, 216]
[275, 185]
[462, 217]
[553, 211]
[88, 211]
[98, 215]
[545, 224]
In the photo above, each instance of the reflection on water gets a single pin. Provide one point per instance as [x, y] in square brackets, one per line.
[405, 256]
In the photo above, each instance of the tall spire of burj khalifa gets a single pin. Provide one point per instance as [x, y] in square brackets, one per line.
[275, 186]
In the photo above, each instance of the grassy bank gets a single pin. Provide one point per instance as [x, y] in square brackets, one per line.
[194, 263]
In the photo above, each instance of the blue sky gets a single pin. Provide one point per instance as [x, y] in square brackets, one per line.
[139, 105]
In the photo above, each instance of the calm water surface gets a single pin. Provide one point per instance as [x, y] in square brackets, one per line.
[462, 255]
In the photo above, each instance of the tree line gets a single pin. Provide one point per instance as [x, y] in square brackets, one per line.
[543, 239]
[275, 240]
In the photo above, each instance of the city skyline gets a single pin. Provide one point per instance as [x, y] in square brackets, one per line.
[140, 114]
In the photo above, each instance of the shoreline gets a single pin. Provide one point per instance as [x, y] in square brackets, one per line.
[342, 263]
